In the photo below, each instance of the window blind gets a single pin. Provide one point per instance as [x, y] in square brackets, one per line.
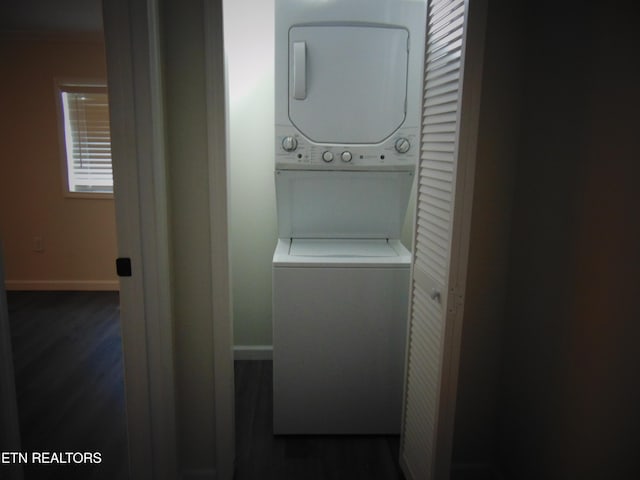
[87, 139]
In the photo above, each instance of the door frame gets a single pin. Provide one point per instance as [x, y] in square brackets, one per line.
[132, 39]
[132, 44]
[469, 117]
[217, 155]
[10, 433]
[454, 299]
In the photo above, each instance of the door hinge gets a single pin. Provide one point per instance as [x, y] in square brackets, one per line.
[123, 267]
[455, 300]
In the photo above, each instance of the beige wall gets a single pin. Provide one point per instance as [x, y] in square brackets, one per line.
[78, 234]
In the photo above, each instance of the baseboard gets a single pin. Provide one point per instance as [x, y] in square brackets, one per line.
[63, 285]
[253, 352]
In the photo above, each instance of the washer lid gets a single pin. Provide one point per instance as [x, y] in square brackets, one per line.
[304, 247]
[332, 253]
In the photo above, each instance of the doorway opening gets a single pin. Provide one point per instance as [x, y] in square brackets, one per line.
[59, 248]
[250, 92]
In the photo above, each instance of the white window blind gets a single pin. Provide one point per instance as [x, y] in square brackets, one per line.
[87, 138]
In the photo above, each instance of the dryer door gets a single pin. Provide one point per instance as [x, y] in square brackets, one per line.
[347, 84]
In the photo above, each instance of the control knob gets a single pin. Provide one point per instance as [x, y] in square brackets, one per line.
[289, 144]
[402, 145]
[346, 156]
[327, 156]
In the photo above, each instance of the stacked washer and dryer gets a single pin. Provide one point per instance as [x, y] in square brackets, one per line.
[348, 83]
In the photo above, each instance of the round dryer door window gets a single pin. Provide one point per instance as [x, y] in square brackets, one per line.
[347, 84]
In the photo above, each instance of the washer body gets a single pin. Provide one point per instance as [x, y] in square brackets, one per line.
[339, 309]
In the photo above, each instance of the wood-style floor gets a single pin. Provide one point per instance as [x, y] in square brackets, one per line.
[68, 361]
[69, 381]
[261, 455]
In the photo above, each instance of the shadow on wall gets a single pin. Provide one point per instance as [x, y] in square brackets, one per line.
[570, 389]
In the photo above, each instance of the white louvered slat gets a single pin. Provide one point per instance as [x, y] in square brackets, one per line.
[433, 236]
[432, 245]
[448, 45]
[436, 90]
[438, 160]
[446, 77]
[448, 29]
[439, 185]
[433, 241]
[453, 11]
[438, 179]
[438, 9]
[441, 100]
[421, 399]
[428, 265]
[444, 69]
[440, 138]
[438, 61]
[439, 220]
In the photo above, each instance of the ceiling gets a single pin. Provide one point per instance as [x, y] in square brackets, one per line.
[51, 15]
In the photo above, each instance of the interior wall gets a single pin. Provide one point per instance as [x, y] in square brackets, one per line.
[481, 347]
[78, 235]
[194, 113]
[249, 49]
[10, 432]
[248, 35]
[570, 391]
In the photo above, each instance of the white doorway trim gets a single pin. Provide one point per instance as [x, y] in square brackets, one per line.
[221, 275]
[221, 302]
[10, 431]
[135, 96]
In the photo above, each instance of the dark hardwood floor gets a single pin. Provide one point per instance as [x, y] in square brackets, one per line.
[262, 456]
[69, 379]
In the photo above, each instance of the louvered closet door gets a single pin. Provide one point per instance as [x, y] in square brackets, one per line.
[433, 236]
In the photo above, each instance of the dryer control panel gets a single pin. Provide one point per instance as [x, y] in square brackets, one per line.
[295, 151]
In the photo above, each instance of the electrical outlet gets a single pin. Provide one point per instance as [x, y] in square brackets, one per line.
[38, 244]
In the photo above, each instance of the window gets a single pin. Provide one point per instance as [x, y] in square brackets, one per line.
[87, 138]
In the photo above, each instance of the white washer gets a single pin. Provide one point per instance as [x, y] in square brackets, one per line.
[339, 309]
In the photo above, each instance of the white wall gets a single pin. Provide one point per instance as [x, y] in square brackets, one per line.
[248, 33]
[249, 48]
